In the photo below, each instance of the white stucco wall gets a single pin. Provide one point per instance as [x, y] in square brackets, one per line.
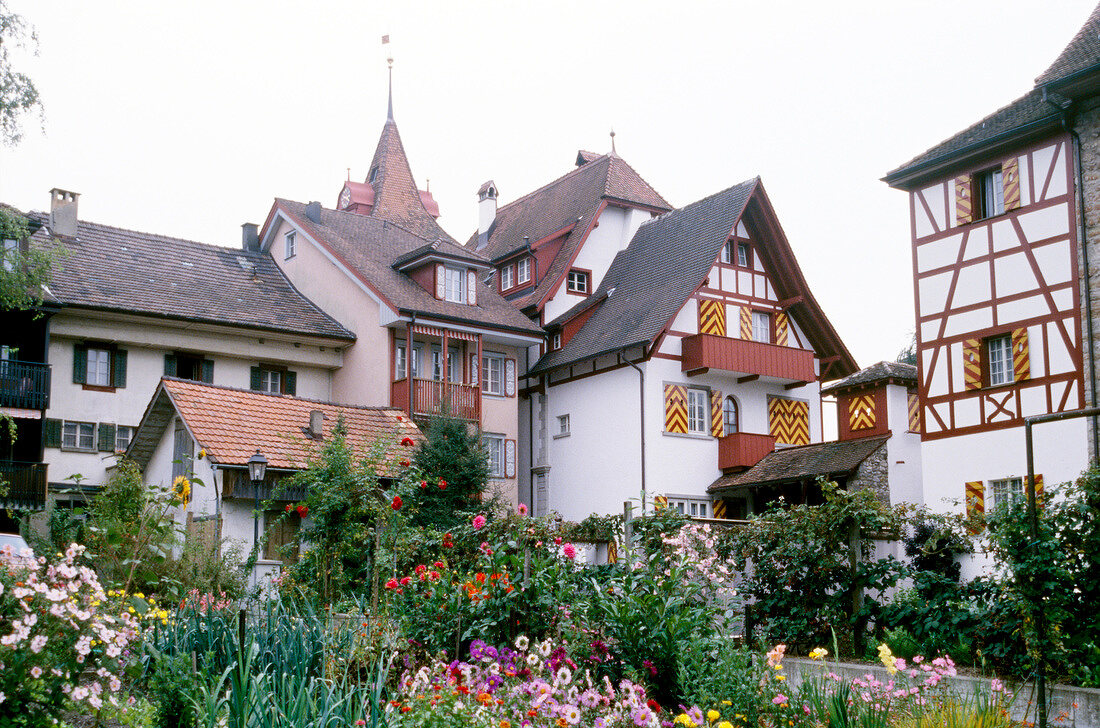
[903, 450]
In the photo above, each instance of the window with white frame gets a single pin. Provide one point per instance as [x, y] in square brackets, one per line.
[78, 435]
[744, 258]
[555, 341]
[761, 326]
[288, 245]
[1006, 491]
[455, 285]
[563, 425]
[698, 411]
[729, 416]
[99, 367]
[399, 362]
[506, 278]
[1000, 360]
[577, 281]
[492, 373]
[494, 447]
[454, 365]
[697, 508]
[271, 380]
[123, 436]
[10, 253]
[523, 271]
[727, 251]
[991, 194]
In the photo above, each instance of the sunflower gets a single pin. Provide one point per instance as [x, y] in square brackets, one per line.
[181, 489]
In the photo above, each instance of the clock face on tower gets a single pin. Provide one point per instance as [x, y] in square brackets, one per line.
[345, 197]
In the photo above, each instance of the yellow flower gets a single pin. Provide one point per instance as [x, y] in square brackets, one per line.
[819, 653]
[181, 490]
[713, 715]
[202, 453]
[780, 677]
[726, 702]
[725, 724]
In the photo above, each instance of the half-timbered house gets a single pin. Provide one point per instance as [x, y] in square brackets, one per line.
[999, 284]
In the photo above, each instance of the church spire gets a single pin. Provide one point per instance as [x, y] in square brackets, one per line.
[389, 62]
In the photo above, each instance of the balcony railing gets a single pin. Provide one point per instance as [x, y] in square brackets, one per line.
[430, 397]
[24, 384]
[23, 483]
[743, 450]
[702, 352]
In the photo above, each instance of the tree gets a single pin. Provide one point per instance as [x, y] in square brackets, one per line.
[24, 270]
[908, 355]
[456, 470]
[18, 94]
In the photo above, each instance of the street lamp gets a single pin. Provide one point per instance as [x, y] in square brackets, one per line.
[257, 468]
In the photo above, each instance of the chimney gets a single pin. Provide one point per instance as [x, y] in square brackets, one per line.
[316, 423]
[63, 211]
[250, 237]
[313, 212]
[487, 212]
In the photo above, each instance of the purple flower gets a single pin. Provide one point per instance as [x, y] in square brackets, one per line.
[477, 651]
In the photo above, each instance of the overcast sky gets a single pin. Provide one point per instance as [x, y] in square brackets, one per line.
[186, 119]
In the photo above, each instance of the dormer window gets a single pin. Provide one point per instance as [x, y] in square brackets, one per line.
[373, 177]
[454, 285]
[523, 271]
[555, 342]
[506, 278]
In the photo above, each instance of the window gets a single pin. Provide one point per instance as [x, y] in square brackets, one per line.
[373, 177]
[577, 281]
[523, 271]
[10, 253]
[698, 411]
[729, 416]
[727, 251]
[273, 380]
[555, 341]
[563, 425]
[990, 194]
[761, 326]
[78, 436]
[743, 254]
[1000, 360]
[454, 366]
[492, 374]
[690, 507]
[454, 285]
[99, 367]
[494, 447]
[288, 245]
[1007, 491]
[506, 278]
[185, 365]
[123, 436]
[399, 362]
[270, 380]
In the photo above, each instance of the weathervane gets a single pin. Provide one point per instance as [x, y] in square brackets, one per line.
[389, 63]
[612, 140]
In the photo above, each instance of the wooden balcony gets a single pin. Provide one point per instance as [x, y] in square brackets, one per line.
[703, 352]
[430, 397]
[743, 450]
[24, 384]
[24, 484]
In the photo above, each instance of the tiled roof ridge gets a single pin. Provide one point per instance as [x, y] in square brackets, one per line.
[192, 382]
[671, 213]
[359, 216]
[613, 156]
[44, 219]
[823, 443]
[583, 168]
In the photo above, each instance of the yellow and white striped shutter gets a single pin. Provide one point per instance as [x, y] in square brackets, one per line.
[861, 413]
[676, 414]
[964, 202]
[789, 421]
[715, 413]
[972, 363]
[712, 317]
[746, 323]
[1021, 356]
[1010, 179]
[782, 328]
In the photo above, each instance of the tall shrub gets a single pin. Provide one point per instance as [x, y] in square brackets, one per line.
[455, 468]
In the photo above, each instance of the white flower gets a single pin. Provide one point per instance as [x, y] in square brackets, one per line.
[36, 672]
[38, 643]
[545, 648]
[564, 676]
[533, 660]
[522, 643]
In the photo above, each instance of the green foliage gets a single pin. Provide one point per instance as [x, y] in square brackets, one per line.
[171, 684]
[714, 670]
[456, 469]
[18, 94]
[24, 272]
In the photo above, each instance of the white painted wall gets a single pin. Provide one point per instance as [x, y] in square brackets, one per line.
[903, 450]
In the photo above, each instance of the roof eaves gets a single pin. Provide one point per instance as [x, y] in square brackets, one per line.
[540, 368]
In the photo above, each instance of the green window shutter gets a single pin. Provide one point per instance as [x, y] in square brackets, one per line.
[106, 437]
[170, 365]
[208, 371]
[80, 364]
[291, 383]
[52, 433]
[254, 378]
[119, 371]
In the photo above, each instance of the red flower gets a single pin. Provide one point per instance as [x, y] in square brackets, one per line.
[423, 484]
[442, 484]
[404, 463]
[405, 580]
[391, 584]
[407, 442]
[288, 507]
[396, 505]
[303, 511]
[420, 568]
[433, 575]
[438, 564]
[653, 705]
[448, 540]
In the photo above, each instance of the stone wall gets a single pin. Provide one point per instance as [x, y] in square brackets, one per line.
[1087, 126]
[874, 474]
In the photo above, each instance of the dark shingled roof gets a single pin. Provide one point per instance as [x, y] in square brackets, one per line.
[667, 260]
[369, 246]
[1082, 53]
[663, 265]
[574, 198]
[442, 248]
[108, 268]
[793, 464]
[883, 371]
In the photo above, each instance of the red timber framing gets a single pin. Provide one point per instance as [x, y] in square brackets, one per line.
[1012, 276]
[429, 396]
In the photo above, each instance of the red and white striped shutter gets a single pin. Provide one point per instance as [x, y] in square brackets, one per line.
[1010, 180]
[510, 377]
[972, 363]
[716, 423]
[975, 501]
[1021, 355]
[964, 200]
[440, 281]
[746, 323]
[471, 287]
[509, 458]
[473, 368]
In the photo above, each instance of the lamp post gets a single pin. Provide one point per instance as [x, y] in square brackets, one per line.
[257, 469]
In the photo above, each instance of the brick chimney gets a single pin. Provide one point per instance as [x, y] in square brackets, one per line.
[63, 211]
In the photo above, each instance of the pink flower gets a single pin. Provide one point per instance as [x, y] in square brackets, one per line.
[522, 509]
[478, 522]
[569, 550]
[780, 699]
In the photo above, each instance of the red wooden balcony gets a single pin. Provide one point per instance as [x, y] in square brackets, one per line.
[431, 397]
[743, 450]
[703, 352]
[25, 484]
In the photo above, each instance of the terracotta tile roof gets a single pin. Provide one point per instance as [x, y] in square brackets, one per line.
[230, 424]
[883, 371]
[370, 246]
[572, 199]
[793, 464]
[109, 268]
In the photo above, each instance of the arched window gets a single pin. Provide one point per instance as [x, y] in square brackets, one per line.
[729, 416]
